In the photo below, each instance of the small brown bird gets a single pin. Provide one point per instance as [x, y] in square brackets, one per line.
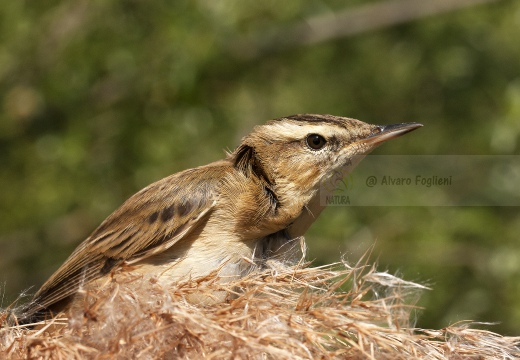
[227, 215]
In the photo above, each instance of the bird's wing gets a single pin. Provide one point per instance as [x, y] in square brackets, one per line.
[148, 223]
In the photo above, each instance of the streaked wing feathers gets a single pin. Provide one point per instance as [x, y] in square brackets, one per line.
[147, 224]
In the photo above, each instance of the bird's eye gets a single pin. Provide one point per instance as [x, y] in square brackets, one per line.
[316, 141]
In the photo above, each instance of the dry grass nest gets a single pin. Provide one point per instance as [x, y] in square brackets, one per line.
[283, 312]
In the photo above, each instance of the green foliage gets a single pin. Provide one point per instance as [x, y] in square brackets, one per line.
[100, 98]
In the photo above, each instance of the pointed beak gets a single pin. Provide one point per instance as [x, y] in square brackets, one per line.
[383, 133]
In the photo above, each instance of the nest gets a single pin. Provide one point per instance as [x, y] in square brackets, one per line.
[283, 312]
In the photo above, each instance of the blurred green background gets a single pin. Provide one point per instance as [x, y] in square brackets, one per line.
[101, 98]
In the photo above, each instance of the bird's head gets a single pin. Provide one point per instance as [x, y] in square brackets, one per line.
[296, 154]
